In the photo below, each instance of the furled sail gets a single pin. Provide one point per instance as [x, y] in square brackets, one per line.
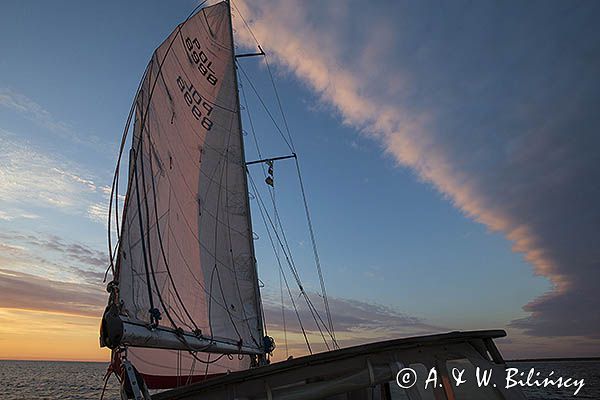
[186, 275]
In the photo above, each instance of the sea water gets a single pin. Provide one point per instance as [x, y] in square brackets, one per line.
[32, 380]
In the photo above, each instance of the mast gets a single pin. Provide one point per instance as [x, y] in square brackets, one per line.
[260, 321]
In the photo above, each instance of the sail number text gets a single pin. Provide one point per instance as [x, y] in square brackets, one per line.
[197, 104]
[199, 57]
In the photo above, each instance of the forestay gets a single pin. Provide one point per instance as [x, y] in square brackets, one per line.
[186, 258]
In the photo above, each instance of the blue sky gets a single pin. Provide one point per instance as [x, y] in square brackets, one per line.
[440, 145]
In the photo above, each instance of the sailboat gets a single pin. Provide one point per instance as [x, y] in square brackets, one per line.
[184, 313]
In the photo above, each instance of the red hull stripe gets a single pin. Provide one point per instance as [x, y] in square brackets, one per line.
[170, 381]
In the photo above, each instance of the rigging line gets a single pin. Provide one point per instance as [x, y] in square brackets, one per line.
[316, 253]
[141, 226]
[129, 121]
[106, 378]
[283, 316]
[271, 193]
[249, 114]
[191, 373]
[311, 307]
[245, 23]
[281, 270]
[178, 312]
[223, 172]
[208, 362]
[160, 240]
[191, 353]
[206, 369]
[114, 191]
[211, 180]
[137, 193]
[291, 145]
[265, 106]
[110, 266]
[165, 308]
[233, 263]
[285, 124]
[193, 276]
[315, 314]
[261, 326]
[288, 255]
[178, 366]
[154, 318]
[205, 248]
[224, 301]
[271, 190]
[139, 145]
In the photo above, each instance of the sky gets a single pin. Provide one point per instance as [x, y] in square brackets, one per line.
[449, 152]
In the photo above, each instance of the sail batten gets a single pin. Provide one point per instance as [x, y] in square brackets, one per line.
[185, 264]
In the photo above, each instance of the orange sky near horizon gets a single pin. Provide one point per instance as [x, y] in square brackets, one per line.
[50, 336]
[39, 335]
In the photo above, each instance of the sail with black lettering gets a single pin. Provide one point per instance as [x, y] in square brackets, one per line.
[185, 277]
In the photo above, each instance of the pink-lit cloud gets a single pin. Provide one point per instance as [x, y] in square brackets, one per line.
[30, 292]
[485, 103]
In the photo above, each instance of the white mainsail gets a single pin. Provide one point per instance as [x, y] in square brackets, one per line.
[186, 260]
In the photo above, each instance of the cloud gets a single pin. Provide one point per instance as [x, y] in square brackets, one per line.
[52, 257]
[50, 287]
[349, 316]
[71, 284]
[30, 292]
[16, 213]
[355, 322]
[31, 178]
[492, 104]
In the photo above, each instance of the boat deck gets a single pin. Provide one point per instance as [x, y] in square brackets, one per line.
[322, 364]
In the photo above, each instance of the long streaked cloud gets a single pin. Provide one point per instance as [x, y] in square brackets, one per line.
[31, 178]
[492, 104]
[77, 252]
[52, 257]
[16, 213]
